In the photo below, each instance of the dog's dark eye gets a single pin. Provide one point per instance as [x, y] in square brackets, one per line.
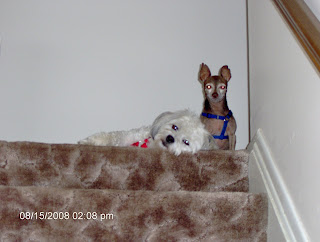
[223, 87]
[174, 127]
[186, 142]
[208, 86]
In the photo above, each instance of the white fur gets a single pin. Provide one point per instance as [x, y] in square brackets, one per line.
[189, 130]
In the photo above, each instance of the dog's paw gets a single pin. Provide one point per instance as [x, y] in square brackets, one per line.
[96, 139]
[83, 141]
[86, 141]
[210, 143]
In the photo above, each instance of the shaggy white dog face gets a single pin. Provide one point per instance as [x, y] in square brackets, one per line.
[180, 131]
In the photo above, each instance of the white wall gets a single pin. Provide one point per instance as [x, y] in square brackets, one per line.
[314, 5]
[72, 68]
[284, 103]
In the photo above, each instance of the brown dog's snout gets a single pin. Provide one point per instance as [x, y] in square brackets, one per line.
[215, 95]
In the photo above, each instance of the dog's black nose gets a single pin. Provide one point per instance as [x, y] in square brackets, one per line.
[215, 95]
[170, 139]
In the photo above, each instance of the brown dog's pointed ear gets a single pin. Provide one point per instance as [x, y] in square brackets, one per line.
[225, 73]
[204, 72]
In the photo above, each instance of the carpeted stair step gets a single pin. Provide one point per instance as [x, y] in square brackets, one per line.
[65, 192]
[121, 168]
[57, 214]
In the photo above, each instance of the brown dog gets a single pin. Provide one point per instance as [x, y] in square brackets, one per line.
[216, 116]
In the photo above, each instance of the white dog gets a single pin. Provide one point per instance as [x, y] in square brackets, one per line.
[180, 131]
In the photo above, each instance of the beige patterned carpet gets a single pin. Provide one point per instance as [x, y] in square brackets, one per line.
[64, 192]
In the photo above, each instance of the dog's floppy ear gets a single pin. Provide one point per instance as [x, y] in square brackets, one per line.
[204, 72]
[158, 122]
[225, 73]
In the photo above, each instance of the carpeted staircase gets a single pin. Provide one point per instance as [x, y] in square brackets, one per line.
[64, 192]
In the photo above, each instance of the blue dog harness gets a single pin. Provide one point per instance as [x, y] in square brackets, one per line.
[225, 123]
